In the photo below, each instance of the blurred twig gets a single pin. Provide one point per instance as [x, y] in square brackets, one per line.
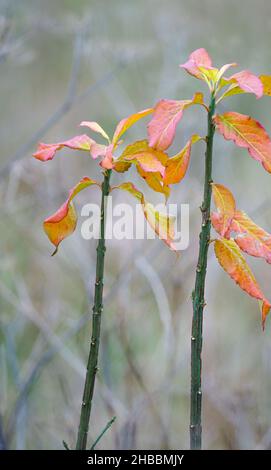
[109, 424]
[71, 98]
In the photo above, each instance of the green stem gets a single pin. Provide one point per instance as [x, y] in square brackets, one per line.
[198, 294]
[96, 324]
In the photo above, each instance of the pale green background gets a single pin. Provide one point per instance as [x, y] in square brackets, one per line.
[130, 53]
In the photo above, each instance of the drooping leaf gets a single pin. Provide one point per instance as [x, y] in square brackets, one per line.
[250, 237]
[232, 261]
[47, 152]
[225, 204]
[126, 123]
[247, 133]
[176, 166]
[198, 58]
[63, 222]
[162, 224]
[167, 114]
[95, 127]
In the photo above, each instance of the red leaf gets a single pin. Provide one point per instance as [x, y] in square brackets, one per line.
[47, 152]
[198, 58]
[167, 114]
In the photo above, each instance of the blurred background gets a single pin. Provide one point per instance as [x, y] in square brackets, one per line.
[62, 62]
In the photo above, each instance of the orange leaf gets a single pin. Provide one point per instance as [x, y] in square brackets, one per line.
[124, 124]
[225, 205]
[176, 166]
[162, 224]
[232, 261]
[47, 152]
[63, 222]
[247, 133]
[218, 224]
[250, 237]
[167, 114]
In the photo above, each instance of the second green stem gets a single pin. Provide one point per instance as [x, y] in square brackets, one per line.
[198, 293]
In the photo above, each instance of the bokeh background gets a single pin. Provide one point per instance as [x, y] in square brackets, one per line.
[62, 62]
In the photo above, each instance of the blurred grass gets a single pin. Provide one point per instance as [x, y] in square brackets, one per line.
[132, 49]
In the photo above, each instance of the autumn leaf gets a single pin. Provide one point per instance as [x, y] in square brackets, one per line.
[167, 114]
[244, 82]
[266, 81]
[155, 181]
[198, 58]
[225, 204]
[162, 224]
[218, 224]
[47, 152]
[176, 167]
[250, 237]
[232, 261]
[95, 127]
[149, 159]
[63, 222]
[247, 133]
[126, 123]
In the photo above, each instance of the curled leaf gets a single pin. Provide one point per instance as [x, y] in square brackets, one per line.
[162, 224]
[63, 222]
[126, 123]
[232, 261]
[167, 114]
[225, 204]
[247, 133]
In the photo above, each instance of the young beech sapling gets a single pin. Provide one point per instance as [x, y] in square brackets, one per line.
[237, 232]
